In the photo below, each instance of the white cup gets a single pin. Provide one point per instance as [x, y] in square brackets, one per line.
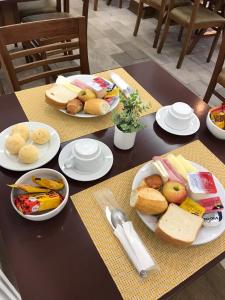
[86, 156]
[179, 116]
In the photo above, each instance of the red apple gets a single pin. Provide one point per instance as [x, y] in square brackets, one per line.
[174, 192]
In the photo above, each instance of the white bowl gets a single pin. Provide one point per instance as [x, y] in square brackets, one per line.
[216, 131]
[26, 179]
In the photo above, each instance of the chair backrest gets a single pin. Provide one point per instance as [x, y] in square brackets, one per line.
[195, 7]
[57, 47]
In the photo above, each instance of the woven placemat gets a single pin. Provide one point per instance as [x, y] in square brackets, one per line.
[176, 264]
[36, 109]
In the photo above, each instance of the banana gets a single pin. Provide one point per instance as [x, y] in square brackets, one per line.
[29, 188]
[49, 183]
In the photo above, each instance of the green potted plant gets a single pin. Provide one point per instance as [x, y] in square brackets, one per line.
[127, 121]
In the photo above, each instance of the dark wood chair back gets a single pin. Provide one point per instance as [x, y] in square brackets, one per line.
[62, 37]
[218, 72]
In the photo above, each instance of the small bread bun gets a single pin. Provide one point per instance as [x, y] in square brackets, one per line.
[154, 181]
[74, 106]
[28, 154]
[96, 107]
[40, 136]
[14, 143]
[21, 129]
[148, 201]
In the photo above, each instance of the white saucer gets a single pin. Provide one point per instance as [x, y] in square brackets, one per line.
[84, 176]
[160, 119]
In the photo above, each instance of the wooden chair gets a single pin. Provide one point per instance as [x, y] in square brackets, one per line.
[120, 3]
[36, 7]
[58, 34]
[192, 18]
[218, 75]
[161, 6]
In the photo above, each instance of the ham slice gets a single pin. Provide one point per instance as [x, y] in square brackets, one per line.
[173, 175]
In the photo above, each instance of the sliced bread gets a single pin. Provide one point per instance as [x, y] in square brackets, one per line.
[148, 201]
[59, 95]
[178, 226]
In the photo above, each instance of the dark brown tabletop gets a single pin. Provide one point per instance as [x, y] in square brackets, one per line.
[56, 259]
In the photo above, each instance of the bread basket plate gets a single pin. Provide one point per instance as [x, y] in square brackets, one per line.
[205, 234]
[81, 114]
[46, 151]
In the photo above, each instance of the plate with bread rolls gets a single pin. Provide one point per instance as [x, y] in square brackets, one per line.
[179, 200]
[83, 96]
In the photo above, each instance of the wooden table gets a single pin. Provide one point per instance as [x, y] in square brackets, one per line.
[64, 263]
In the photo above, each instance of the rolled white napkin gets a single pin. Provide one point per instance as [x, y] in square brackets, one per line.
[124, 87]
[134, 247]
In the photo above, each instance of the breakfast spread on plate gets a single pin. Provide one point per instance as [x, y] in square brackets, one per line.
[42, 197]
[217, 116]
[181, 197]
[91, 96]
[17, 143]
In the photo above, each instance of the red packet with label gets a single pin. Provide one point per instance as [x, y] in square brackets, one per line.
[213, 204]
[201, 183]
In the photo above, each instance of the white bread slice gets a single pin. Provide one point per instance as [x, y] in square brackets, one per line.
[96, 107]
[59, 95]
[148, 201]
[178, 226]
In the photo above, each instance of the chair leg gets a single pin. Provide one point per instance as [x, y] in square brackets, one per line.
[140, 12]
[184, 48]
[196, 39]
[214, 43]
[164, 36]
[109, 2]
[95, 5]
[120, 3]
[158, 29]
[180, 33]
[210, 89]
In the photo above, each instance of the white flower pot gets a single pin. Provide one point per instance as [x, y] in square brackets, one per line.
[124, 140]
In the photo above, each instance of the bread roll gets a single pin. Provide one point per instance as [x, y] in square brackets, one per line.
[96, 107]
[74, 106]
[59, 95]
[14, 143]
[28, 154]
[178, 226]
[40, 136]
[21, 129]
[148, 201]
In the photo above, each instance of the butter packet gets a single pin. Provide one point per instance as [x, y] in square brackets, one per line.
[193, 207]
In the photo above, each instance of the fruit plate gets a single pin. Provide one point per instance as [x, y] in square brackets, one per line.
[206, 234]
[81, 114]
[46, 151]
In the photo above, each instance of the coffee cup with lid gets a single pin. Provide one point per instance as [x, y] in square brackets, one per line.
[86, 156]
[179, 116]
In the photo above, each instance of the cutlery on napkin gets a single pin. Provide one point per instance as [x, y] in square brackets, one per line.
[124, 87]
[125, 232]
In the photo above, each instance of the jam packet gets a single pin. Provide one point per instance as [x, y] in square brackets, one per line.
[201, 183]
[211, 204]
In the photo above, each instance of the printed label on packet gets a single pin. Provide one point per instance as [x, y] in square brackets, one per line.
[201, 183]
[211, 204]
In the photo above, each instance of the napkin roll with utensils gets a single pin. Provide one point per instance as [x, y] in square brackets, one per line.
[125, 232]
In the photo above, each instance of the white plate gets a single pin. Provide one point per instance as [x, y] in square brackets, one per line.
[206, 234]
[46, 151]
[84, 176]
[81, 114]
[160, 119]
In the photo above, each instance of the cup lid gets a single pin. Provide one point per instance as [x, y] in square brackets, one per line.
[181, 110]
[86, 148]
